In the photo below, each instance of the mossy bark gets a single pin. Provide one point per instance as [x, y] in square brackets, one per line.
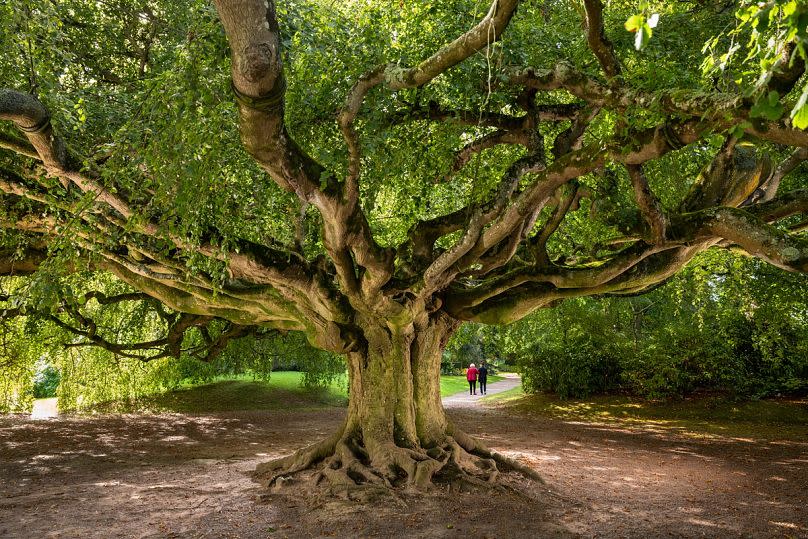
[396, 433]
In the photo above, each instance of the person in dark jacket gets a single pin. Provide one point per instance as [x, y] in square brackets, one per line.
[471, 376]
[482, 377]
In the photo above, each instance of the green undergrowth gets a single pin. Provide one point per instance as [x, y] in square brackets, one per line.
[705, 416]
[236, 392]
[283, 390]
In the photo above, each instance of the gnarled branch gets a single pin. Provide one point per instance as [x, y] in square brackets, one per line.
[597, 40]
[650, 207]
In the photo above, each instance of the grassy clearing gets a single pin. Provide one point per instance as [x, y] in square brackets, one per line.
[699, 417]
[242, 392]
[449, 385]
[506, 397]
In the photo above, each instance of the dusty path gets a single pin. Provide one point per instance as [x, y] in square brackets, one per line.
[45, 408]
[164, 476]
[464, 400]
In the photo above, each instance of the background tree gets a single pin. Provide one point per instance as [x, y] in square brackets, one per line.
[725, 324]
[472, 343]
[97, 341]
[451, 186]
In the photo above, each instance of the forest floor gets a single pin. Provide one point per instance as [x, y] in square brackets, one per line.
[187, 475]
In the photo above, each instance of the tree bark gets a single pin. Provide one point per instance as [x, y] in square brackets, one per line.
[396, 433]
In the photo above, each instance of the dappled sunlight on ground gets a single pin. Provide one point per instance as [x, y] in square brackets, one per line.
[650, 478]
[139, 476]
[187, 476]
[705, 418]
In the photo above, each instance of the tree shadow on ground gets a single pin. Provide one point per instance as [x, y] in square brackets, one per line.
[187, 476]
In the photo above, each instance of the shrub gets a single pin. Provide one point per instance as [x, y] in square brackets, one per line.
[575, 371]
[46, 381]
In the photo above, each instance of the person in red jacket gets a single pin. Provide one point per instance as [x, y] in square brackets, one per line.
[471, 376]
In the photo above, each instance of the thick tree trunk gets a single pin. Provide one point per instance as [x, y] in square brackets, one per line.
[396, 433]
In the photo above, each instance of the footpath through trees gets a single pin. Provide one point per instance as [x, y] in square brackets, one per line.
[464, 400]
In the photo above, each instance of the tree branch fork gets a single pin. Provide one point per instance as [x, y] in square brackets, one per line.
[503, 237]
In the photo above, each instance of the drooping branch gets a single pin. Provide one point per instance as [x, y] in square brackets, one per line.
[597, 40]
[491, 140]
[280, 306]
[768, 189]
[484, 34]
[72, 318]
[108, 214]
[722, 111]
[168, 346]
[256, 264]
[263, 307]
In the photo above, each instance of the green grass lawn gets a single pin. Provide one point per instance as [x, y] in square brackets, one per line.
[242, 392]
[700, 417]
[237, 392]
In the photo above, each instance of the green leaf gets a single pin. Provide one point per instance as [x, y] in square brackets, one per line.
[634, 23]
[740, 130]
[799, 115]
[768, 107]
[642, 37]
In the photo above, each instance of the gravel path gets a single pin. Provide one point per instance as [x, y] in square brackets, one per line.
[464, 400]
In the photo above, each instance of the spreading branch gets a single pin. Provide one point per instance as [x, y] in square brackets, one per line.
[497, 268]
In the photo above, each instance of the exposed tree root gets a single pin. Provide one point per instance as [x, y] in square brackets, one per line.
[360, 470]
[475, 447]
[268, 473]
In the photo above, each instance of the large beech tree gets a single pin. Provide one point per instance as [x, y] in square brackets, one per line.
[418, 166]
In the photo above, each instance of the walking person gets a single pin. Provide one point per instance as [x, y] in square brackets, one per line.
[482, 377]
[471, 376]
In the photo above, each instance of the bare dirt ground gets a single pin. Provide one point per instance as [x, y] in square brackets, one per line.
[186, 476]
